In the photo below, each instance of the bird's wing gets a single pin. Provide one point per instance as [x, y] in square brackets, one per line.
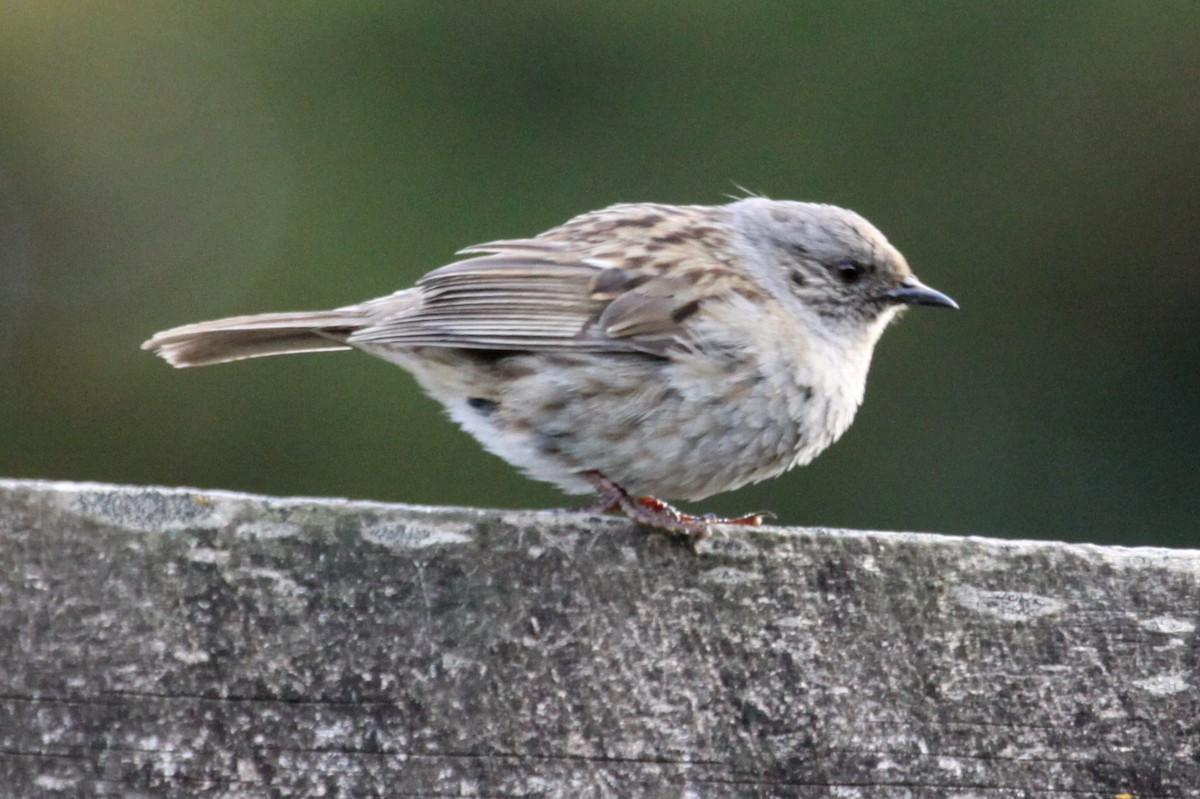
[539, 294]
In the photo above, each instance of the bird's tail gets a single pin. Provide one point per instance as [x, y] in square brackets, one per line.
[255, 336]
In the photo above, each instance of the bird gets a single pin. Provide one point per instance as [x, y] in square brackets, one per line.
[643, 352]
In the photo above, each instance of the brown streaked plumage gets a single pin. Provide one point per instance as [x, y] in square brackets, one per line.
[643, 349]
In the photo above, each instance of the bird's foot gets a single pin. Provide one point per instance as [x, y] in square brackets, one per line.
[652, 512]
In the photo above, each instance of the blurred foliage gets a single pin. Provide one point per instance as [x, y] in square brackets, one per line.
[162, 163]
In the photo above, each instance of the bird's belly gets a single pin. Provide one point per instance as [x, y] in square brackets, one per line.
[675, 429]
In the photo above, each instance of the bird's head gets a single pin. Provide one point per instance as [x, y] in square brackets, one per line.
[829, 264]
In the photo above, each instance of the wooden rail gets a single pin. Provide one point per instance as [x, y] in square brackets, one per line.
[168, 642]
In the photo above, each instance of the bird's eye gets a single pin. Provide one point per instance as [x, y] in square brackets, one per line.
[849, 271]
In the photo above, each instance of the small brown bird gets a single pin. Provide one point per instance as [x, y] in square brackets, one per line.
[638, 351]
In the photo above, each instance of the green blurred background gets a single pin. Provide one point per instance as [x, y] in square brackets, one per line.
[163, 163]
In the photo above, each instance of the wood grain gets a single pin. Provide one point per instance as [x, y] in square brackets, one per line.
[166, 642]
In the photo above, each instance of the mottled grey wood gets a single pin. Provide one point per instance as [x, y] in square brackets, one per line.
[181, 643]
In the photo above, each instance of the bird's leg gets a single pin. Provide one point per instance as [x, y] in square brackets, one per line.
[597, 508]
[653, 512]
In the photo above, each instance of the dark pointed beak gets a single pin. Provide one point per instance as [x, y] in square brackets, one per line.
[914, 292]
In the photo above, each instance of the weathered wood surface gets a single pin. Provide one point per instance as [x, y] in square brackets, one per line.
[181, 643]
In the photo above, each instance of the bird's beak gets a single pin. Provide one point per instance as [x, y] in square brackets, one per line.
[914, 292]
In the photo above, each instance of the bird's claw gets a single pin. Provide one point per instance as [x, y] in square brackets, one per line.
[653, 512]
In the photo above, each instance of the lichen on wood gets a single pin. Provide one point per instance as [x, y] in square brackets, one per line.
[171, 642]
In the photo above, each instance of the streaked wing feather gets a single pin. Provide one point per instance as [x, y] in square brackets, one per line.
[494, 301]
[535, 294]
[533, 248]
